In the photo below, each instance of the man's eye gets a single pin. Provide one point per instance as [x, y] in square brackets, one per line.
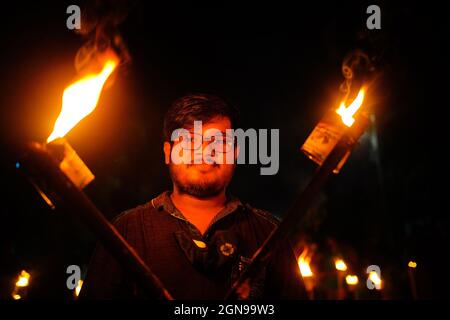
[227, 142]
[219, 141]
[184, 139]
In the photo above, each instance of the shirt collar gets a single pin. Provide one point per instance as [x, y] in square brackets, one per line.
[163, 201]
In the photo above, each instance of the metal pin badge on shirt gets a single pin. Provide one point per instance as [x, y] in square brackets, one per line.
[199, 243]
[227, 249]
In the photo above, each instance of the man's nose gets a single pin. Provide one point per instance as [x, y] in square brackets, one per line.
[195, 145]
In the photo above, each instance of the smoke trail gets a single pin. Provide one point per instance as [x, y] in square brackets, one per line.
[100, 21]
[356, 68]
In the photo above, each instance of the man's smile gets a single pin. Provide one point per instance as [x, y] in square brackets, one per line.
[203, 167]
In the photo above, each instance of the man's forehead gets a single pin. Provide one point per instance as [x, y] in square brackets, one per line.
[219, 123]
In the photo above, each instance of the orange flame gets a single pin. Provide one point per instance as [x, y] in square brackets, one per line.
[340, 265]
[23, 280]
[303, 263]
[352, 280]
[80, 99]
[78, 288]
[373, 276]
[347, 113]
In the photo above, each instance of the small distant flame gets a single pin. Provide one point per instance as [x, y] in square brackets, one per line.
[340, 265]
[347, 113]
[303, 263]
[351, 280]
[373, 276]
[80, 99]
[78, 288]
[23, 280]
[412, 264]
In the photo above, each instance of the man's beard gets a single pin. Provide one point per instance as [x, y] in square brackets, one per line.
[199, 189]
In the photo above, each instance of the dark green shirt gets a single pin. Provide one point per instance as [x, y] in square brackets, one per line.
[192, 265]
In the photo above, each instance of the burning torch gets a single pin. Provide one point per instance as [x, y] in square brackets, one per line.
[304, 261]
[59, 174]
[329, 145]
[341, 267]
[21, 285]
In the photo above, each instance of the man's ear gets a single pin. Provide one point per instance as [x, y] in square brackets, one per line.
[167, 148]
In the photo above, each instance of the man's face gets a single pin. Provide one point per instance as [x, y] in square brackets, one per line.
[202, 180]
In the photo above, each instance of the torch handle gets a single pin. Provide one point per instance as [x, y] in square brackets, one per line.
[300, 206]
[39, 162]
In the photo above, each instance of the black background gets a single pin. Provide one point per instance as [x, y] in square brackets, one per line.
[280, 64]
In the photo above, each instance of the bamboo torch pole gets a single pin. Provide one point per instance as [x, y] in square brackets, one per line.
[39, 165]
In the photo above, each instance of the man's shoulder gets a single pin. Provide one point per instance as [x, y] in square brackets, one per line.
[132, 214]
[262, 216]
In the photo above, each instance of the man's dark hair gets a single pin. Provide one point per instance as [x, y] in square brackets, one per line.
[195, 107]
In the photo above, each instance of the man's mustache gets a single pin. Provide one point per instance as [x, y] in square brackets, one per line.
[214, 164]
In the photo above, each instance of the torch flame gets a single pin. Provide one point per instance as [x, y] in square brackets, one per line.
[340, 265]
[303, 264]
[375, 278]
[347, 113]
[78, 288]
[23, 280]
[352, 280]
[80, 99]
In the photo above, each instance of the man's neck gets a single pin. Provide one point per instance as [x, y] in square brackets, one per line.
[198, 211]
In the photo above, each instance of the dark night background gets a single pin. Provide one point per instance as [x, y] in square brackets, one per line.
[281, 65]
